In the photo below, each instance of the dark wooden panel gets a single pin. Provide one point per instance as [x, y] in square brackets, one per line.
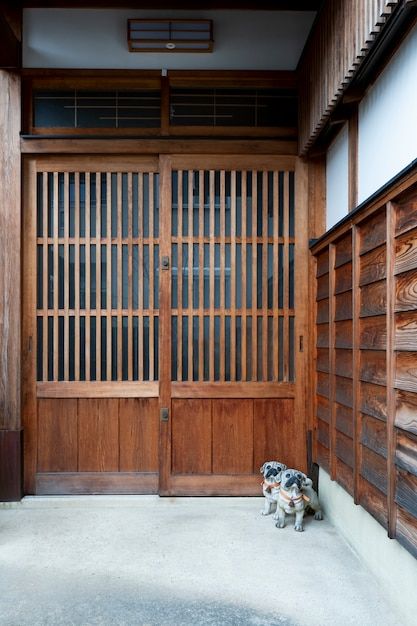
[373, 333]
[343, 363]
[57, 435]
[232, 436]
[343, 250]
[344, 476]
[322, 335]
[374, 501]
[406, 331]
[343, 334]
[344, 419]
[406, 371]
[406, 214]
[406, 452]
[322, 263]
[322, 363]
[406, 530]
[139, 434]
[373, 400]
[323, 384]
[278, 434]
[372, 232]
[91, 483]
[322, 287]
[323, 408]
[406, 491]
[406, 291]
[344, 448]
[323, 433]
[206, 485]
[98, 435]
[11, 465]
[374, 469]
[406, 252]
[373, 366]
[343, 278]
[374, 434]
[344, 391]
[373, 300]
[343, 306]
[373, 266]
[322, 311]
[406, 411]
[323, 456]
[191, 436]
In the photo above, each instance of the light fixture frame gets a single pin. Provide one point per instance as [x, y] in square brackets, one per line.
[170, 44]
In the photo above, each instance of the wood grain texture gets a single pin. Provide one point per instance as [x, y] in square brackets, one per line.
[98, 430]
[191, 437]
[232, 436]
[374, 435]
[322, 264]
[343, 306]
[322, 336]
[138, 434]
[406, 371]
[407, 530]
[322, 363]
[373, 299]
[406, 331]
[373, 400]
[323, 434]
[322, 311]
[406, 252]
[406, 216]
[323, 384]
[343, 251]
[343, 365]
[278, 434]
[57, 435]
[323, 408]
[344, 448]
[343, 278]
[11, 466]
[96, 483]
[406, 411]
[344, 476]
[344, 420]
[372, 232]
[373, 266]
[374, 501]
[374, 468]
[373, 366]
[343, 334]
[323, 456]
[322, 287]
[373, 333]
[406, 491]
[344, 391]
[10, 252]
[406, 291]
[406, 452]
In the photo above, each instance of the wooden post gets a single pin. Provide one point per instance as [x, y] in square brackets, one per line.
[10, 293]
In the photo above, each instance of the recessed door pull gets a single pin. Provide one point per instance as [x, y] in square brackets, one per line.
[164, 415]
[165, 263]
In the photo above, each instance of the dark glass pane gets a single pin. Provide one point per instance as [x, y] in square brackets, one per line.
[195, 347]
[71, 192]
[146, 277]
[207, 204]
[270, 276]
[238, 204]
[135, 205]
[82, 277]
[196, 276]
[71, 276]
[291, 203]
[218, 349]
[51, 348]
[114, 210]
[184, 347]
[227, 346]
[61, 280]
[291, 276]
[93, 277]
[156, 348]
[39, 205]
[196, 203]
[50, 277]
[114, 348]
[185, 204]
[206, 275]
[114, 277]
[259, 275]
[39, 348]
[270, 204]
[82, 205]
[51, 216]
[227, 202]
[185, 275]
[217, 203]
[125, 349]
[259, 204]
[156, 205]
[146, 348]
[103, 337]
[125, 277]
[280, 348]
[39, 277]
[104, 277]
[174, 276]
[93, 349]
[145, 215]
[227, 276]
[249, 347]
[291, 371]
[93, 205]
[82, 348]
[216, 275]
[135, 350]
[260, 348]
[238, 276]
[174, 204]
[54, 109]
[238, 347]
[156, 277]
[174, 349]
[248, 204]
[281, 204]
[125, 207]
[71, 347]
[104, 205]
[206, 347]
[61, 212]
[249, 276]
[280, 276]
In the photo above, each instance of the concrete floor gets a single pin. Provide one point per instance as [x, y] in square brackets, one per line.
[177, 561]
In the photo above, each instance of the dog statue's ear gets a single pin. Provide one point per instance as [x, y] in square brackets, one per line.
[262, 469]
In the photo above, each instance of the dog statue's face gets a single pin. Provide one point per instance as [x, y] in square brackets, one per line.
[292, 478]
[272, 470]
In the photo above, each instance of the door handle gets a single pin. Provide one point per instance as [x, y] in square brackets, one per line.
[164, 414]
[165, 262]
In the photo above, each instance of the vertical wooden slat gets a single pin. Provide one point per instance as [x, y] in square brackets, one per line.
[244, 352]
[66, 276]
[45, 276]
[201, 276]
[265, 347]
[212, 283]
[151, 278]
[87, 277]
[275, 347]
[130, 278]
[120, 355]
[190, 275]
[233, 276]
[56, 274]
[254, 276]
[356, 363]
[77, 275]
[286, 277]
[179, 274]
[108, 280]
[222, 274]
[98, 276]
[332, 360]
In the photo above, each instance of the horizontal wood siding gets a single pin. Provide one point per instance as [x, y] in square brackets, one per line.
[366, 362]
[343, 36]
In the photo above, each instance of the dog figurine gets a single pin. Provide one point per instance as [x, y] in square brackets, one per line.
[271, 471]
[295, 494]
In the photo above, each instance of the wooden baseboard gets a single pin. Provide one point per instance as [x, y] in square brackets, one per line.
[218, 485]
[96, 483]
[11, 465]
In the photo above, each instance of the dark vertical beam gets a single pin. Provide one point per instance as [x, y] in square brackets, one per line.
[10, 291]
[10, 36]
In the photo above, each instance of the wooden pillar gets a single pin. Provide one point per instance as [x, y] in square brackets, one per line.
[10, 290]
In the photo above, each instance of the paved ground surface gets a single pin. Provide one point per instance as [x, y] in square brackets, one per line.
[177, 561]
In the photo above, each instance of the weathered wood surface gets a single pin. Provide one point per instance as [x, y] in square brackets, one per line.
[373, 266]
[406, 411]
[406, 252]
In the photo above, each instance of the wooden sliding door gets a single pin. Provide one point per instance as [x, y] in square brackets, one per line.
[229, 329]
[164, 312]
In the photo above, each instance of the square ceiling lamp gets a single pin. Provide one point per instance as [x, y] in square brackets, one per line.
[170, 35]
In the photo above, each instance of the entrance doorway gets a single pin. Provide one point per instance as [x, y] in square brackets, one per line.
[161, 325]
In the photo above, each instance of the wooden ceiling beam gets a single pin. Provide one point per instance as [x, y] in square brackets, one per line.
[261, 5]
[10, 36]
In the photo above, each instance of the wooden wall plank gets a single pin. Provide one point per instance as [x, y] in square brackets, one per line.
[343, 306]
[233, 437]
[344, 419]
[406, 411]
[344, 476]
[373, 333]
[344, 448]
[374, 434]
[374, 501]
[407, 530]
[374, 469]
[191, 436]
[406, 216]
[373, 366]
[406, 452]
[406, 491]
[373, 266]
[373, 299]
[98, 431]
[139, 434]
[373, 400]
[343, 335]
[406, 252]
[406, 291]
[343, 363]
[343, 278]
[57, 435]
[406, 371]
[406, 331]
[323, 408]
[372, 233]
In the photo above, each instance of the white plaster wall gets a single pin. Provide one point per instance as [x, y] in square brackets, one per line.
[390, 563]
[82, 38]
[337, 178]
[388, 121]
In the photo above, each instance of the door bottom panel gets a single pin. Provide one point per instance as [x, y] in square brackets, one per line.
[96, 483]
